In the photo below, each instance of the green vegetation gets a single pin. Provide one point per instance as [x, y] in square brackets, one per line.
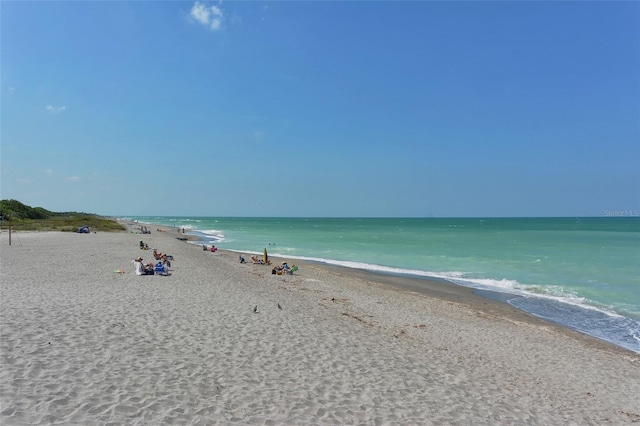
[26, 218]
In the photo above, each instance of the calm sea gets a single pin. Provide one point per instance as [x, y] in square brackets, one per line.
[582, 273]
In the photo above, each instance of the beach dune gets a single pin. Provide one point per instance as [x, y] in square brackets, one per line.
[82, 343]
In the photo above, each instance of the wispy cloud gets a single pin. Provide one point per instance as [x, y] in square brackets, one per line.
[209, 16]
[55, 109]
[48, 171]
[73, 178]
[23, 181]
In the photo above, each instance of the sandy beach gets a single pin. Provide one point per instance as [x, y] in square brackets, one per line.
[81, 343]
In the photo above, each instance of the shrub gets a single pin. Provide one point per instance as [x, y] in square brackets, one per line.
[28, 218]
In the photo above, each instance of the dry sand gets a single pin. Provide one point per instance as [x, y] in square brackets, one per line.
[82, 344]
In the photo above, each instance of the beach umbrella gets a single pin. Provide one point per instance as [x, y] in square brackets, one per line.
[265, 257]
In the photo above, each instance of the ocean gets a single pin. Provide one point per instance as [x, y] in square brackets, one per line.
[581, 273]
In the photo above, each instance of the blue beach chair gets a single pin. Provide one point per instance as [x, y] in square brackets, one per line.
[160, 269]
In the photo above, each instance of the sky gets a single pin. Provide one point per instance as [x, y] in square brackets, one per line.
[321, 108]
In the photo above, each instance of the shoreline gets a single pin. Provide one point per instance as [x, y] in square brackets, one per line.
[83, 343]
[484, 300]
[495, 303]
[443, 288]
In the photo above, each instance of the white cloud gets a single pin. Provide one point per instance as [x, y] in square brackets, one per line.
[54, 109]
[73, 178]
[48, 171]
[210, 16]
[23, 181]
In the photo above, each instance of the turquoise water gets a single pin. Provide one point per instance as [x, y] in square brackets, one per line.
[583, 273]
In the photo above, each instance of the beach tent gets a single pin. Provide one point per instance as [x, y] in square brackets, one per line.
[84, 230]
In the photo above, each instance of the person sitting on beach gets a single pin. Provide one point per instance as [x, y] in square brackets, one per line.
[142, 269]
[204, 248]
[165, 260]
[242, 259]
[214, 249]
[137, 265]
[279, 270]
[257, 261]
[282, 269]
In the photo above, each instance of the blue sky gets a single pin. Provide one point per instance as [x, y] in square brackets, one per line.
[321, 108]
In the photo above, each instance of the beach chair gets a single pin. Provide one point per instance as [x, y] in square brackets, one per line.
[160, 269]
[291, 270]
